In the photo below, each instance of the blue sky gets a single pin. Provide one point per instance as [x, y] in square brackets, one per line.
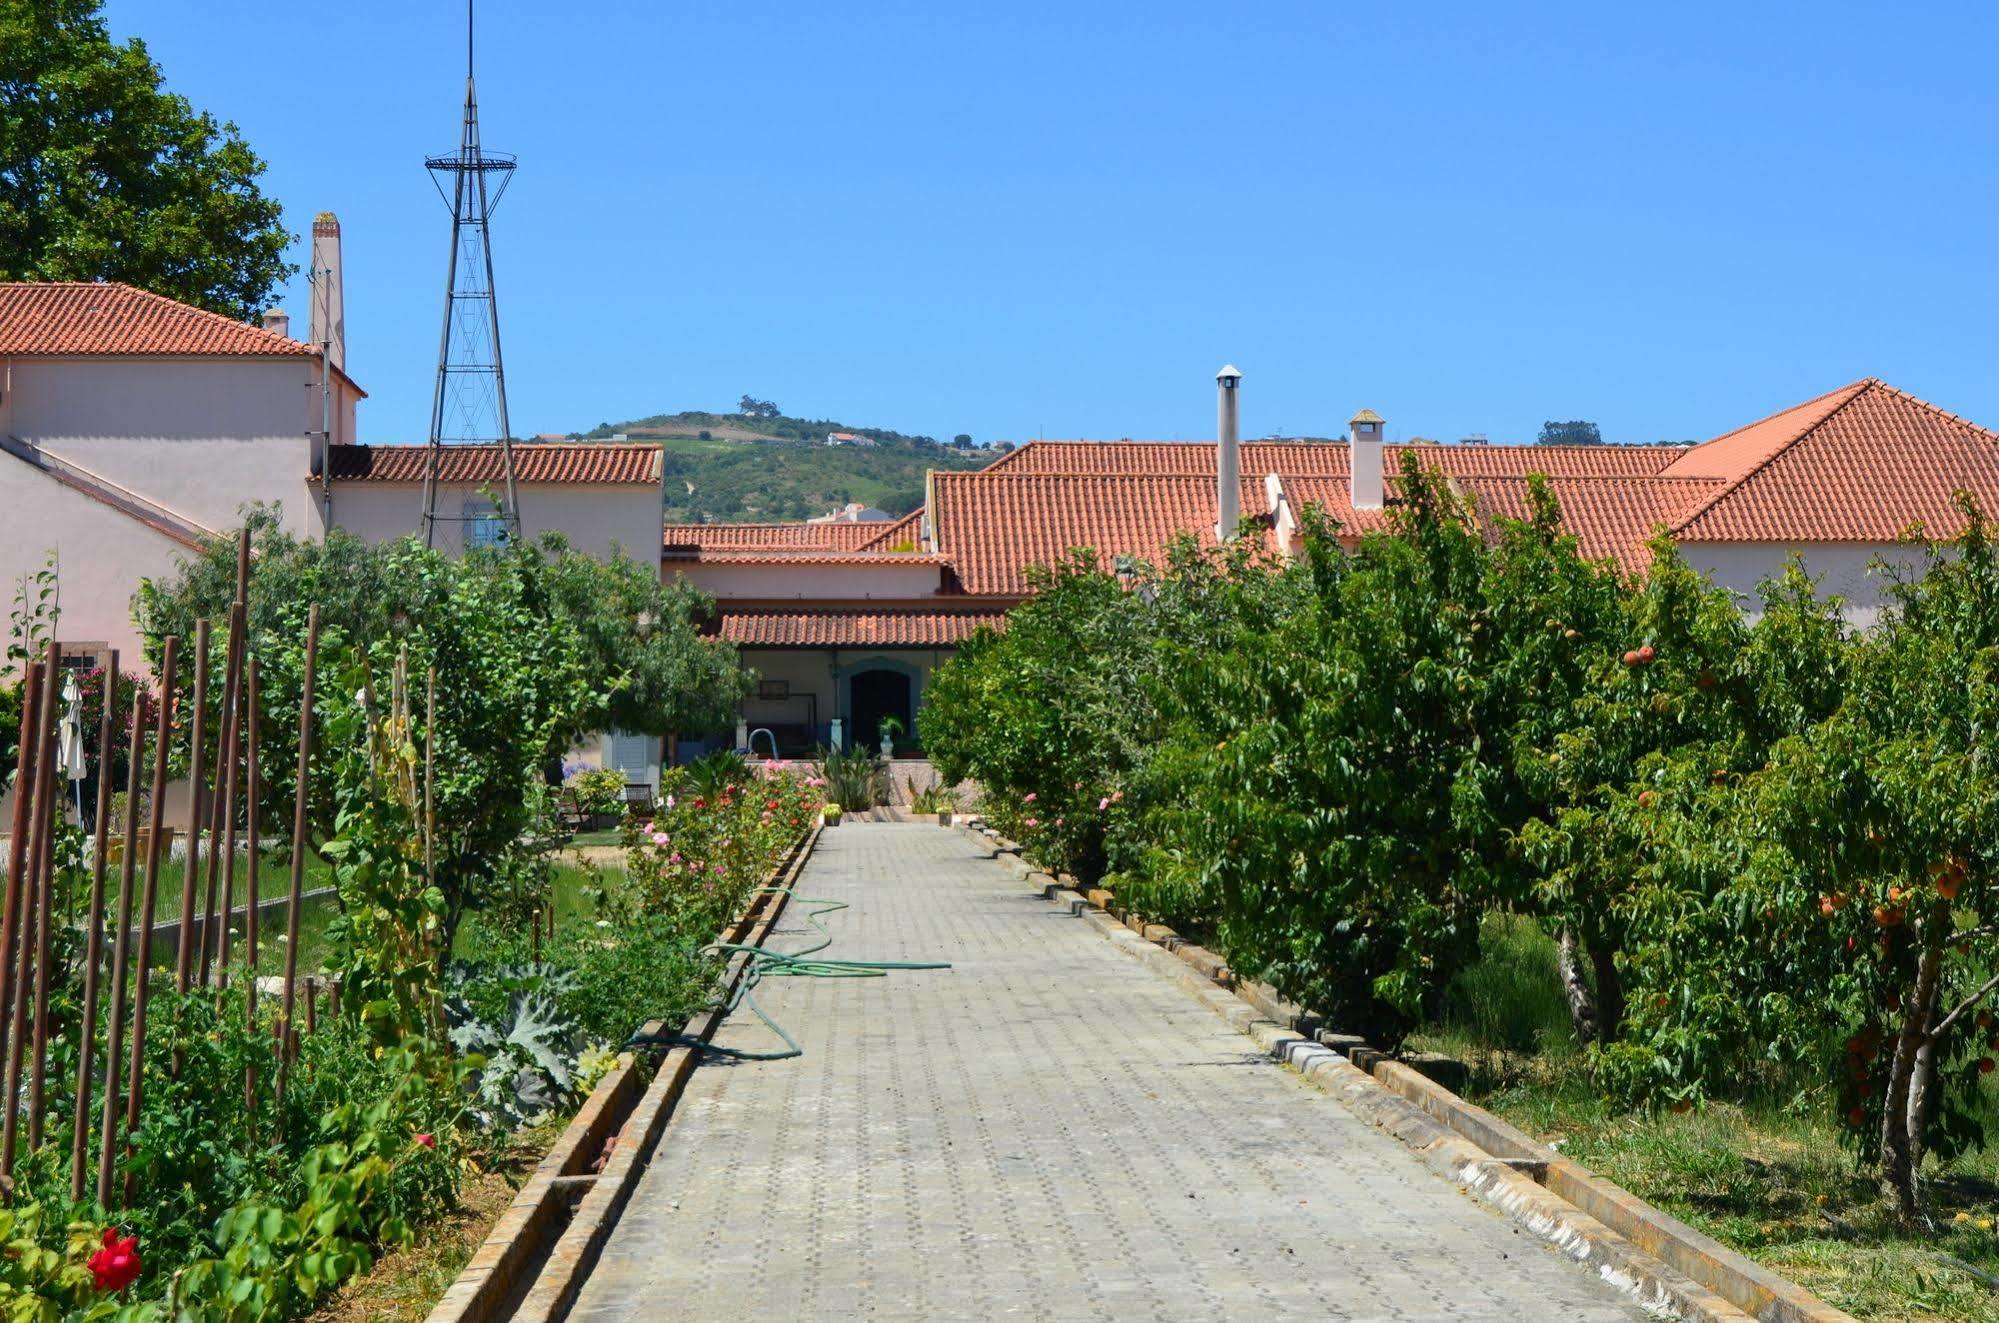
[1060, 219]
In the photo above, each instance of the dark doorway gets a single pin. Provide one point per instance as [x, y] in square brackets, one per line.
[874, 695]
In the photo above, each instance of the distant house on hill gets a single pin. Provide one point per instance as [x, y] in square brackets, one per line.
[848, 439]
[853, 512]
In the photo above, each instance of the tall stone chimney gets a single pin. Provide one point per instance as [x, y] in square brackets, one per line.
[329, 309]
[1364, 460]
[278, 322]
[1228, 454]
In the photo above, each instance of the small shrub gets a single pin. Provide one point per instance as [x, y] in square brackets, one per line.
[600, 792]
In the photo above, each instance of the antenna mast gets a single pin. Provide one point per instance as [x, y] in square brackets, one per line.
[470, 401]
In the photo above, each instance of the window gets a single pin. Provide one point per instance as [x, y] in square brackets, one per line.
[484, 525]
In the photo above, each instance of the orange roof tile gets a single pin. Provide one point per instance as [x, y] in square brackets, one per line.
[1734, 455]
[856, 628]
[992, 525]
[906, 531]
[1865, 469]
[1328, 458]
[1610, 517]
[109, 318]
[580, 462]
[798, 556]
[704, 537]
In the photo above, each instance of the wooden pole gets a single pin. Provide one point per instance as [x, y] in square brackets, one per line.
[254, 846]
[299, 845]
[17, 848]
[107, 731]
[252, 829]
[38, 831]
[215, 930]
[107, 1139]
[135, 1079]
[49, 821]
[184, 966]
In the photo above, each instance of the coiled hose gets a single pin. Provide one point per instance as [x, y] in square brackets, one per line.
[765, 963]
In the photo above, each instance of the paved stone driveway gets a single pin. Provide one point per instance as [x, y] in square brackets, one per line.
[1047, 1130]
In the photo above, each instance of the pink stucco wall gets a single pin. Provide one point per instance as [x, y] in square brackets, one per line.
[199, 436]
[593, 518]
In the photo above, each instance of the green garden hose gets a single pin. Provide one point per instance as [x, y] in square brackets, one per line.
[765, 963]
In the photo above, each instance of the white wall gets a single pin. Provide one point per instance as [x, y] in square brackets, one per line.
[1843, 569]
[592, 518]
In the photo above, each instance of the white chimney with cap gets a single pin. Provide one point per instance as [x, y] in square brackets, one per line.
[1228, 454]
[329, 308]
[1364, 476]
[278, 322]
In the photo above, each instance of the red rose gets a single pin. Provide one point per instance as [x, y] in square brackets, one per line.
[428, 1141]
[117, 1265]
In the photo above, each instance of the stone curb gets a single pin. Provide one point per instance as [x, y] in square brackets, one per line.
[1651, 1256]
[534, 1260]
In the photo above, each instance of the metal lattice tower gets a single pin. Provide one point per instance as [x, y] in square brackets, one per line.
[470, 403]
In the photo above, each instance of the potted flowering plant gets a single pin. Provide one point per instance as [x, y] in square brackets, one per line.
[830, 815]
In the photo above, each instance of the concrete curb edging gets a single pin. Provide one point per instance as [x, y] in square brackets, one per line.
[533, 1262]
[1648, 1254]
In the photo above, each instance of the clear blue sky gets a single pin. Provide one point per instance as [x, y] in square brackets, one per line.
[1060, 219]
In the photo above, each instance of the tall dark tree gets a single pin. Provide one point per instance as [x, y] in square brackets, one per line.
[106, 175]
[1573, 433]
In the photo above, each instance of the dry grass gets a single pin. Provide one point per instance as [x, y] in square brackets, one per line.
[405, 1284]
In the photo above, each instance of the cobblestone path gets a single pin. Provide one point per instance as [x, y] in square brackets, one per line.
[1047, 1130]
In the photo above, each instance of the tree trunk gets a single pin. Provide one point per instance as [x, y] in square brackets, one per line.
[1582, 1003]
[1901, 1124]
[1918, 1115]
[1609, 992]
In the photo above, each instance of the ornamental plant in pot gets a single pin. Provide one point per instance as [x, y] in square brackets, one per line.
[891, 731]
[830, 815]
[935, 799]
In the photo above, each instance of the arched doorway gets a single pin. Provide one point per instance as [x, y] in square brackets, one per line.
[875, 694]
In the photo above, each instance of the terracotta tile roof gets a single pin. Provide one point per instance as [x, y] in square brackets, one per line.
[991, 525]
[108, 318]
[704, 537]
[1134, 497]
[798, 556]
[1334, 498]
[1733, 455]
[1863, 468]
[906, 531]
[582, 462]
[839, 627]
[1328, 458]
[1611, 517]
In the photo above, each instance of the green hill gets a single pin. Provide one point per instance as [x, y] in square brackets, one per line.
[735, 468]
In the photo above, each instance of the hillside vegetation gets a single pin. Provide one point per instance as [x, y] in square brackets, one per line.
[738, 468]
